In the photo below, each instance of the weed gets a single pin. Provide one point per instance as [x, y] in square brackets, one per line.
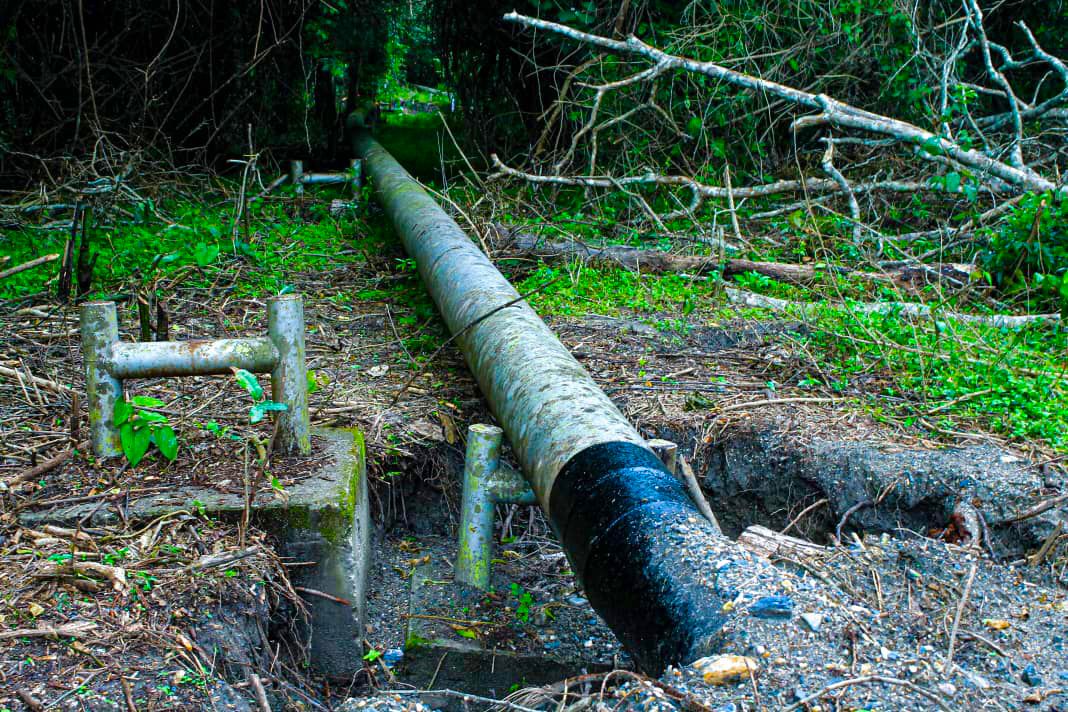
[140, 428]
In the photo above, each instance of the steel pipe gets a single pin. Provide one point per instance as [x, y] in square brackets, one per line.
[630, 530]
[200, 357]
[281, 353]
[487, 483]
[99, 330]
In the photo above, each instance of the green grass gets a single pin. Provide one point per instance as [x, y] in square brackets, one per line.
[939, 375]
[275, 246]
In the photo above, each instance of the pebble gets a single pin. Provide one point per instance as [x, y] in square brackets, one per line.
[947, 688]
[1030, 675]
[724, 669]
[812, 621]
[772, 607]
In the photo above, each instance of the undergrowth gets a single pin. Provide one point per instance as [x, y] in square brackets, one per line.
[938, 375]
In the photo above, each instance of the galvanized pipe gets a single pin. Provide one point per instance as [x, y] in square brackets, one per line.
[200, 357]
[487, 483]
[100, 329]
[281, 353]
[628, 526]
[289, 372]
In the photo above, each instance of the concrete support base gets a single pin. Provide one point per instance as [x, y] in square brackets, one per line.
[326, 520]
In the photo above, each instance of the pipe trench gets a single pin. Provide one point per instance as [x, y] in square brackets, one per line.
[627, 525]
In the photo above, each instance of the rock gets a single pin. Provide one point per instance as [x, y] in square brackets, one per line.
[772, 607]
[1030, 675]
[812, 621]
[724, 669]
[947, 688]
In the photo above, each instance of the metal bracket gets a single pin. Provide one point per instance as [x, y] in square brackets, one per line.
[109, 361]
[488, 482]
[299, 178]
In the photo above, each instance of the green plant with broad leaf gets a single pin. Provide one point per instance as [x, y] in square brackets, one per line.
[140, 428]
[261, 405]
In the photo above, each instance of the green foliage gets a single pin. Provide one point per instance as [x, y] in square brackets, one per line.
[261, 405]
[195, 244]
[1027, 255]
[139, 429]
[524, 601]
[938, 373]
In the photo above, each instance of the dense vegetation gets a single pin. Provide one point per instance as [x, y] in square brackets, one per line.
[102, 103]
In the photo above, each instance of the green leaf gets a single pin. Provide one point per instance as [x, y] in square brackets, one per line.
[372, 655]
[167, 442]
[135, 443]
[249, 382]
[147, 402]
[122, 412]
[150, 417]
[953, 182]
[313, 384]
[205, 254]
[258, 411]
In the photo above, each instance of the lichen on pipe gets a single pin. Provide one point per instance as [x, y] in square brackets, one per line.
[641, 549]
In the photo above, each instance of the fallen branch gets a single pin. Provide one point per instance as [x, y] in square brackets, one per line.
[42, 382]
[697, 495]
[703, 190]
[660, 262]
[833, 112]
[46, 466]
[77, 629]
[868, 680]
[1008, 321]
[28, 265]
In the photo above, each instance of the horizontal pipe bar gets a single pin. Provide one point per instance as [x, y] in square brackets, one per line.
[190, 358]
[326, 178]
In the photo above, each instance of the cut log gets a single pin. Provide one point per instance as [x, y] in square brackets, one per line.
[654, 261]
[771, 544]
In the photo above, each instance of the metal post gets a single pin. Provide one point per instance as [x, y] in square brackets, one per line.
[668, 453]
[476, 509]
[100, 329]
[289, 379]
[487, 482]
[356, 170]
[296, 176]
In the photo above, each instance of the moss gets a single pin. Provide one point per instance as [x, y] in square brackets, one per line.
[335, 522]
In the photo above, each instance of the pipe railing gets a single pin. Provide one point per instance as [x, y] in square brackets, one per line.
[299, 178]
[109, 361]
[629, 528]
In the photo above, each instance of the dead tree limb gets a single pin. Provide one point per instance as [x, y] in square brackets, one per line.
[831, 111]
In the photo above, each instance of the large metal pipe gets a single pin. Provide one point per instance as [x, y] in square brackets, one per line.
[631, 533]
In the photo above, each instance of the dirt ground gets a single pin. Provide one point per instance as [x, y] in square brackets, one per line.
[132, 630]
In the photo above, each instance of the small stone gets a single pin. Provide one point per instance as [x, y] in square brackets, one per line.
[812, 621]
[977, 680]
[1030, 675]
[947, 688]
[772, 607]
[724, 669]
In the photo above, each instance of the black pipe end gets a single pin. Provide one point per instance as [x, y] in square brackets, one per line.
[635, 539]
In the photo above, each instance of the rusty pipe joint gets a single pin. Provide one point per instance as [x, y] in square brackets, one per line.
[487, 482]
[109, 361]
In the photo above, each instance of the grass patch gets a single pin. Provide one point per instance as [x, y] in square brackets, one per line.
[195, 242]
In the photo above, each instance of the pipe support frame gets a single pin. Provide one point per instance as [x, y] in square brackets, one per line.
[487, 482]
[108, 362]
